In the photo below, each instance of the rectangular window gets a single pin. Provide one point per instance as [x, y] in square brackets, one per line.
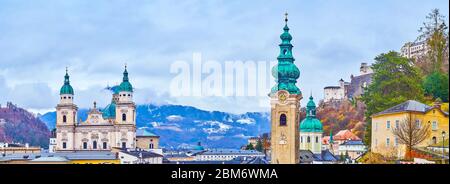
[418, 124]
[64, 145]
[105, 145]
[388, 124]
[397, 124]
[434, 126]
[124, 145]
[396, 141]
[388, 141]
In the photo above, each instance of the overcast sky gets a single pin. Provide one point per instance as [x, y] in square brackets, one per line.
[39, 38]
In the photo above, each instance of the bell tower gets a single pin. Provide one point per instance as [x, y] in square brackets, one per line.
[125, 108]
[66, 116]
[285, 99]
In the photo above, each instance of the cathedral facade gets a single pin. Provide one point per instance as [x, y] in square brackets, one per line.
[112, 127]
[285, 99]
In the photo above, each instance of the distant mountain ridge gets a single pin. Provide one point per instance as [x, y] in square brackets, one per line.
[19, 125]
[180, 126]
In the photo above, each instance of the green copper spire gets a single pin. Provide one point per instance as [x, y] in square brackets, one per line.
[125, 85]
[66, 88]
[311, 123]
[285, 72]
[311, 107]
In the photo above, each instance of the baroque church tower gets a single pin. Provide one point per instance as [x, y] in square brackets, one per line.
[285, 99]
[125, 107]
[66, 116]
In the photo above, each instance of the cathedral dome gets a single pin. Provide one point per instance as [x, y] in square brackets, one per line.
[66, 88]
[110, 111]
[311, 124]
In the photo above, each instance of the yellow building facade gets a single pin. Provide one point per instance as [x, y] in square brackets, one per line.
[383, 123]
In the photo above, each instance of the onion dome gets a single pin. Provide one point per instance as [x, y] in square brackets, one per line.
[311, 123]
[66, 88]
[286, 72]
[125, 85]
[110, 111]
[285, 36]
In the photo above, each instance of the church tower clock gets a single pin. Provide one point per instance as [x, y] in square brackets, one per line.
[285, 99]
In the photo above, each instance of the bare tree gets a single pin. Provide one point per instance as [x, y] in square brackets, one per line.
[411, 134]
[435, 33]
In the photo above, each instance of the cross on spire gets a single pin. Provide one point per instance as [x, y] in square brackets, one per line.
[286, 17]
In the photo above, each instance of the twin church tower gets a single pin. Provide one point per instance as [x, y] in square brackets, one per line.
[285, 97]
[112, 127]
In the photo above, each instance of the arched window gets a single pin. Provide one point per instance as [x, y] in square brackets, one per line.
[94, 144]
[301, 139]
[124, 117]
[84, 145]
[283, 120]
[105, 145]
[434, 140]
[317, 139]
[64, 119]
[308, 139]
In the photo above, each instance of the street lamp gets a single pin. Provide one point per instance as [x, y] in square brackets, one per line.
[443, 147]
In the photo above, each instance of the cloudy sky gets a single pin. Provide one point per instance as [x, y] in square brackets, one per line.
[39, 38]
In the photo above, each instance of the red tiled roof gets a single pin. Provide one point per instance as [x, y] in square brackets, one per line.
[346, 135]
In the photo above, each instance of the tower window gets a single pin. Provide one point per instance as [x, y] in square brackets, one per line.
[84, 145]
[308, 139]
[65, 97]
[94, 144]
[105, 145]
[151, 146]
[124, 117]
[317, 139]
[129, 94]
[283, 120]
[64, 119]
